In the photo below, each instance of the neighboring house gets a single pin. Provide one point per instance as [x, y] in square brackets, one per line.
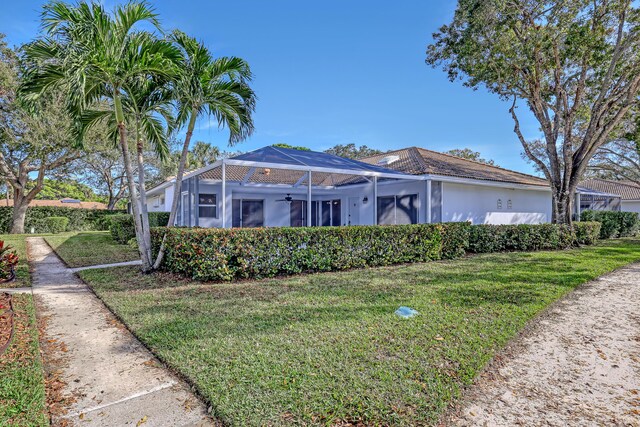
[603, 194]
[64, 203]
[276, 186]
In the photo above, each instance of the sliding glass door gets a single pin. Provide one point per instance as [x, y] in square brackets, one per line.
[247, 213]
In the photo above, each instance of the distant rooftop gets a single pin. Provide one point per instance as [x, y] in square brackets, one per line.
[627, 190]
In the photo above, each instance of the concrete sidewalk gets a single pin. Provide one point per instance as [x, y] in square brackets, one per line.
[112, 378]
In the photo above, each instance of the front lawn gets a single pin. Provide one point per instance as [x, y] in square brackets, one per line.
[328, 349]
[22, 392]
[81, 249]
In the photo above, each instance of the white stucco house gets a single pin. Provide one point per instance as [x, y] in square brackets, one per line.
[276, 187]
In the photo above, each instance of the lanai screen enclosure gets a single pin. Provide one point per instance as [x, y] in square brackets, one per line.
[276, 186]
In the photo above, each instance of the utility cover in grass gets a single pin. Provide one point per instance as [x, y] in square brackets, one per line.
[406, 312]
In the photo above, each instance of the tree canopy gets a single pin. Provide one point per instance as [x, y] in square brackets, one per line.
[469, 154]
[574, 64]
[351, 151]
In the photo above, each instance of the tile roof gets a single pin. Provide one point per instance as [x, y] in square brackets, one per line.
[60, 204]
[420, 161]
[627, 190]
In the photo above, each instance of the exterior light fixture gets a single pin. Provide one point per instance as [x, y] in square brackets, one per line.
[365, 199]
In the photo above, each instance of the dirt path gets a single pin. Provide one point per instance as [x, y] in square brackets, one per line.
[103, 375]
[579, 364]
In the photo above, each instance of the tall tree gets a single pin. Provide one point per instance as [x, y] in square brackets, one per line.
[469, 154]
[102, 168]
[202, 154]
[351, 151]
[293, 147]
[618, 160]
[574, 63]
[102, 57]
[214, 87]
[34, 138]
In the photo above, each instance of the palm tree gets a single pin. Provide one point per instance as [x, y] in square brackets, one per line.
[214, 87]
[102, 58]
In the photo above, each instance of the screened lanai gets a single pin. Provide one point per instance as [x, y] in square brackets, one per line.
[314, 186]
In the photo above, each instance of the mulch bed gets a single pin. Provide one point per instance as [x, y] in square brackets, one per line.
[6, 321]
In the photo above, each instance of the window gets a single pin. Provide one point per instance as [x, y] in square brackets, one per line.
[207, 206]
[247, 213]
[398, 209]
[331, 213]
[156, 202]
[298, 213]
[162, 201]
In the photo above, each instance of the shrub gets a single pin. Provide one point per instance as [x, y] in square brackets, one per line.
[122, 228]
[79, 219]
[53, 224]
[486, 238]
[587, 232]
[158, 219]
[455, 239]
[614, 224]
[226, 254]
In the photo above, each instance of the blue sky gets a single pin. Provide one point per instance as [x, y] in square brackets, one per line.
[335, 72]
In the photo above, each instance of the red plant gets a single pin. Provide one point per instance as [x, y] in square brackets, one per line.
[8, 260]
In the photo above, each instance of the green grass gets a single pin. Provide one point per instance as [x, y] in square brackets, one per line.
[23, 276]
[81, 249]
[22, 391]
[327, 348]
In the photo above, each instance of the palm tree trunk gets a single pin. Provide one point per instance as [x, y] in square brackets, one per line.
[143, 199]
[178, 184]
[146, 261]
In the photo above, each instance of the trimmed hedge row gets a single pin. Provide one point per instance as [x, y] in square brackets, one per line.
[79, 219]
[55, 224]
[123, 228]
[527, 237]
[227, 254]
[614, 224]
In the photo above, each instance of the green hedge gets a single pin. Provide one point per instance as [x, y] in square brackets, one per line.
[79, 219]
[614, 224]
[227, 254]
[522, 237]
[123, 229]
[586, 232]
[54, 224]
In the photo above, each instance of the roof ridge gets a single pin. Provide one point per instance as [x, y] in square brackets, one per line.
[627, 182]
[479, 163]
[416, 153]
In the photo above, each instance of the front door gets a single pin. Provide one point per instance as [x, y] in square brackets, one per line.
[353, 213]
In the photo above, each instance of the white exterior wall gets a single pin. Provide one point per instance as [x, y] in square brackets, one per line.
[630, 206]
[479, 204]
[153, 201]
[460, 202]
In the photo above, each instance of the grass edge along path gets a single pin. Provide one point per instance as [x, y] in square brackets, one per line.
[86, 248]
[326, 348]
[22, 388]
